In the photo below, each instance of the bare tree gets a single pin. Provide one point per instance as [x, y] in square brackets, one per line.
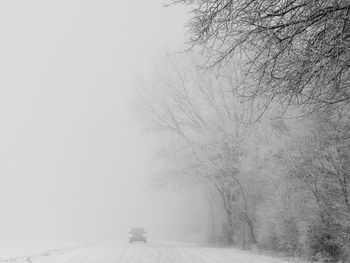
[295, 51]
[206, 122]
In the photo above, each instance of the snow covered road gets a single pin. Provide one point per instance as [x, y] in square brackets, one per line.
[154, 252]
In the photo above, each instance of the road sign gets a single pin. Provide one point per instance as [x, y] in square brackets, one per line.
[243, 216]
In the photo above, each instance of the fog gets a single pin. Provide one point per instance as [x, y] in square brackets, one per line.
[107, 124]
[74, 162]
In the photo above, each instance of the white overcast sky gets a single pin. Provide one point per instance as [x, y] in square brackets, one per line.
[73, 163]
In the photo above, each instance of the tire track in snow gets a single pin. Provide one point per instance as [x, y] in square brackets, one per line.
[122, 255]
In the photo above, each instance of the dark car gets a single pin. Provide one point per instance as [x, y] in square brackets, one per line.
[137, 234]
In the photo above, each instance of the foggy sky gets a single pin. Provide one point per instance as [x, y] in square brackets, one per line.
[73, 161]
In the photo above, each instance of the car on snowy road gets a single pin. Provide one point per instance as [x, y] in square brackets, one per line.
[137, 234]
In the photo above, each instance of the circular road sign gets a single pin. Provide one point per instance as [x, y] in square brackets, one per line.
[243, 216]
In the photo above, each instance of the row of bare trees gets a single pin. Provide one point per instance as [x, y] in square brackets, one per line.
[230, 126]
[290, 176]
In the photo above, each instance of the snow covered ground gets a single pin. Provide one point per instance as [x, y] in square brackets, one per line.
[17, 248]
[153, 252]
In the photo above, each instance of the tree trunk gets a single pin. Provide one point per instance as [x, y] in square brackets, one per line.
[251, 229]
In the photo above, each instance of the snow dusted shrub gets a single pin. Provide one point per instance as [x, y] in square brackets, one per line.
[346, 251]
[323, 246]
[322, 257]
[289, 241]
[267, 237]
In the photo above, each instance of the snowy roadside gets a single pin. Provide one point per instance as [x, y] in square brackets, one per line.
[210, 250]
[27, 251]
